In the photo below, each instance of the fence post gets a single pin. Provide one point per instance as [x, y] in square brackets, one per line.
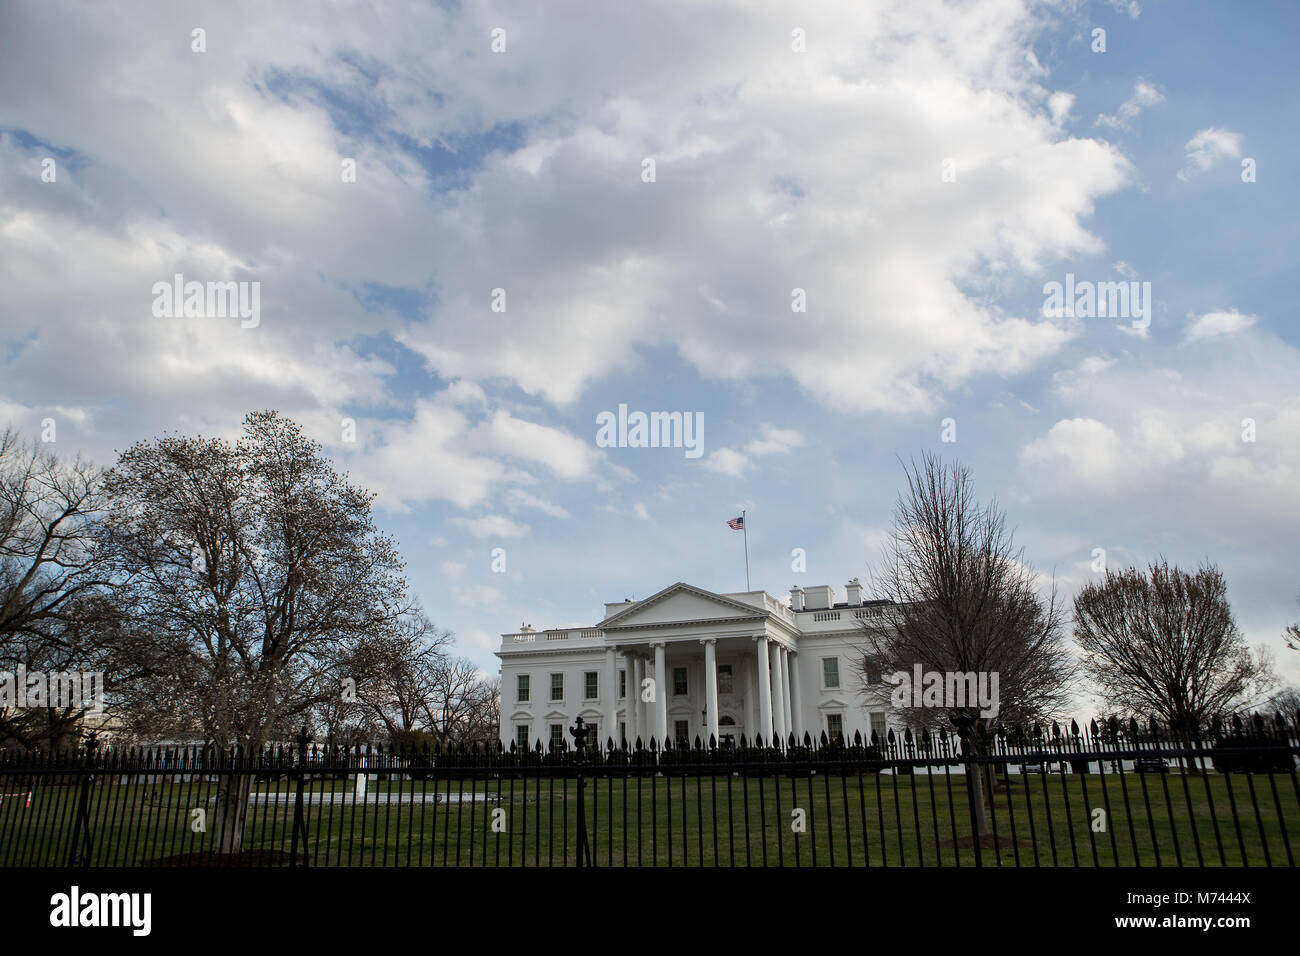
[299, 824]
[580, 731]
[79, 848]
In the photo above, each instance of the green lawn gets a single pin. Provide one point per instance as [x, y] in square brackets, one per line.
[847, 819]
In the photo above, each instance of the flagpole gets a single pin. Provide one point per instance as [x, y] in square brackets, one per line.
[744, 525]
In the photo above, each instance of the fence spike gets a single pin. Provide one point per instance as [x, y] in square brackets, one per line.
[807, 741]
[713, 742]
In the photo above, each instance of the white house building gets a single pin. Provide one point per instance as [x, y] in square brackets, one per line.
[715, 665]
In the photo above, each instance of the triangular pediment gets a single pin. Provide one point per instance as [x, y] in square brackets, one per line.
[681, 602]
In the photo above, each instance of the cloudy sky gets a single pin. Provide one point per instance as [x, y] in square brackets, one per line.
[920, 170]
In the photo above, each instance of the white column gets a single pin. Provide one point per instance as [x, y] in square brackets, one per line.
[710, 689]
[661, 694]
[611, 698]
[778, 692]
[764, 691]
[796, 702]
[750, 718]
[785, 685]
[635, 673]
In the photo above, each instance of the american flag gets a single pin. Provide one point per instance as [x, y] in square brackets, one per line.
[737, 524]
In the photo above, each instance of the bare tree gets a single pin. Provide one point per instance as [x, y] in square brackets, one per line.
[399, 677]
[482, 723]
[457, 702]
[1162, 642]
[1287, 703]
[53, 579]
[253, 573]
[964, 602]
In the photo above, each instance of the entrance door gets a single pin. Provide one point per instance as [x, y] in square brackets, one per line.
[729, 732]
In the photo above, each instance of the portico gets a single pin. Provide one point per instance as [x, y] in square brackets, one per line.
[687, 628]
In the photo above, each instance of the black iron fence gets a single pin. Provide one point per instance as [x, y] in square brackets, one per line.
[1106, 795]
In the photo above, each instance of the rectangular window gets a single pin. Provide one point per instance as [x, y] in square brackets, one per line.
[594, 740]
[830, 672]
[557, 735]
[682, 732]
[591, 685]
[622, 684]
[725, 681]
[521, 738]
[835, 728]
[557, 687]
[679, 681]
[521, 688]
[879, 726]
[622, 731]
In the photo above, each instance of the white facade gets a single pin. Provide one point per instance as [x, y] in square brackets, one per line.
[718, 665]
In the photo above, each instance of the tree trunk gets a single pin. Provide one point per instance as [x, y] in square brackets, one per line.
[975, 779]
[232, 811]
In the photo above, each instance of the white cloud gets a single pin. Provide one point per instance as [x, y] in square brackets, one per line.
[726, 461]
[1159, 441]
[1207, 148]
[1212, 324]
[452, 569]
[486, 642]
[492, 526]
[477, 595]
[518, 499]
[1143, 96]
[640, 511]
[504, 435]
[1076, 450]
[774, 441]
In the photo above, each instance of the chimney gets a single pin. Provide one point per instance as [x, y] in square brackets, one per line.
[854, 591]
[796, 598]
[820, 597]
